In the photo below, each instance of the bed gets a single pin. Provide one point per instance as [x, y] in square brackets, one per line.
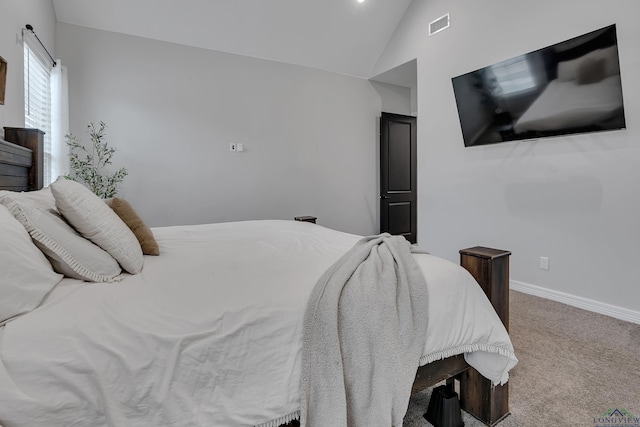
[210, 332]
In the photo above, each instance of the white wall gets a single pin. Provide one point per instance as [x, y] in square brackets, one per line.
[172, 111]
[395, 99]
[574, 199]
[14, 15]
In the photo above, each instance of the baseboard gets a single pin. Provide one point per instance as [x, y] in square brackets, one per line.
[575, 301]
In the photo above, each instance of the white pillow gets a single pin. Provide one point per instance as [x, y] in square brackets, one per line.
[567, 70]
[43, 198]
[96, 221]
[26, 276]
[69, 253]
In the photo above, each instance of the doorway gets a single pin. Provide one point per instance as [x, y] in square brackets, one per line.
[398, 175]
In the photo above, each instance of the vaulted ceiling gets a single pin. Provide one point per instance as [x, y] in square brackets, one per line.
[342, 36]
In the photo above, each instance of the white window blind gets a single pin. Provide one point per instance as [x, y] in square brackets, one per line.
[37, 98]
[514, 75]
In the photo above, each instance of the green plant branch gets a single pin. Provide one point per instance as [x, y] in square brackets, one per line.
[88, 166]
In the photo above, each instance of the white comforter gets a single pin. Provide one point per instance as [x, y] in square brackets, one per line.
[209, 334]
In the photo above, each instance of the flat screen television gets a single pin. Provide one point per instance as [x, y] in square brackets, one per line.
[567, 88]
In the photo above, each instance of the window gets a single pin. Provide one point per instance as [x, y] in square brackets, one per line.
[37, 99]
[514, 75]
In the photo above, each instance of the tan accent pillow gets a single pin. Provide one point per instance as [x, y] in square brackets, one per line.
[134, 222]
[590, 71]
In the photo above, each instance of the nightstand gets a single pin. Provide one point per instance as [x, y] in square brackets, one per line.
[306, 218]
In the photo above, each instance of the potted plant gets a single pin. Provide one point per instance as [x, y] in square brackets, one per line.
[88, 165]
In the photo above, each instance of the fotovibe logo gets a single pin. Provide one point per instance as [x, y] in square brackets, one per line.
[616, 418]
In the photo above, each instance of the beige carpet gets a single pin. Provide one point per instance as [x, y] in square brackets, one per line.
[574, 365]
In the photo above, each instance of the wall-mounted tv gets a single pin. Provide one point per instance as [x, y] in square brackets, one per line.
[567, 88]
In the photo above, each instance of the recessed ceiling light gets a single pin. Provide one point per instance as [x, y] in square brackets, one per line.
[360, 1]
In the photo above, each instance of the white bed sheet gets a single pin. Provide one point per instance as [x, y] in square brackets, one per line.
[209, 333]
[566, 104]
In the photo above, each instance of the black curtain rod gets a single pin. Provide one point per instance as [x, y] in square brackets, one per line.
[30, 28]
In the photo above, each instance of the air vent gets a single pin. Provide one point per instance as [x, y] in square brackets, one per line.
[439, 24]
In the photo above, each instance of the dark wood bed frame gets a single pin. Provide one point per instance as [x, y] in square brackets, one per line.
[21, 170]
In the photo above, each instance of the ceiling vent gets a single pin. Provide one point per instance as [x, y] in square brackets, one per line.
[439, 24]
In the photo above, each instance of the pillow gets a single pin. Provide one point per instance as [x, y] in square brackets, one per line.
[590, 71]
[42, 197]
[143, 233]
[568, 70]
[26, 276]
[611, 61]
[68, 252]
[93, 219]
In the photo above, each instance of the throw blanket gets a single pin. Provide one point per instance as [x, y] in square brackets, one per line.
[364, 331]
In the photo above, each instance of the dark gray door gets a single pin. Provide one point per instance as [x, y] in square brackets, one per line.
[398, 175]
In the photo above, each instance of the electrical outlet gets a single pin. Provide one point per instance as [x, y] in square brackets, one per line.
[544, 262]
[233, 147]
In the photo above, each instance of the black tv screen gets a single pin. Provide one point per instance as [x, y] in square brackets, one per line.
[567, 88]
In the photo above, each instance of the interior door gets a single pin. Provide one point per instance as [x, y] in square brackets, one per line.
[398, 175]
